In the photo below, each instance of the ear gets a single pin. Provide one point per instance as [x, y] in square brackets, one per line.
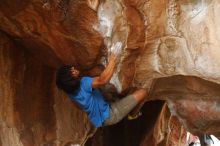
[93, 4]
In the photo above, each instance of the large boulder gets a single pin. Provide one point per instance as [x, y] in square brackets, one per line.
[170, 47]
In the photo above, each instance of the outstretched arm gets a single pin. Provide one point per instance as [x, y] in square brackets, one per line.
[108, 72]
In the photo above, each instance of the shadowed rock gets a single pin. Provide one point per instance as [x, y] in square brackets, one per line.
[169, 47]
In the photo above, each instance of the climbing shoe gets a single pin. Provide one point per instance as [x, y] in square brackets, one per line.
[137, 115]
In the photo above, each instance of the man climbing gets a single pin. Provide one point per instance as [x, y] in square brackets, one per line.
[84, 91]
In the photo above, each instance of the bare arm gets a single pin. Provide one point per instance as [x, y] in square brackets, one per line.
[106, 74]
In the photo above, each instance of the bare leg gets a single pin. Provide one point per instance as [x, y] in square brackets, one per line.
[139, 95]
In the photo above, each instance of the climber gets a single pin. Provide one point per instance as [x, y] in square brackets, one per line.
[83, 90]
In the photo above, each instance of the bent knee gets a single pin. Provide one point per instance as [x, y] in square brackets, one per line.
[114, 117]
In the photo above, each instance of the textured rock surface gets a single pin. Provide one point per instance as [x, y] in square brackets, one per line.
[194, 101]
[160, 39]
[33, 112]
[166, 132]
[170, 38]
[130, 133]
[155, 128]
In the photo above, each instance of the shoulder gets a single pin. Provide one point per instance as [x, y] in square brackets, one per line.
[86, 84]
[86, 79]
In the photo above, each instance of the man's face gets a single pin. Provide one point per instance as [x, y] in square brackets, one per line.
[75, 72]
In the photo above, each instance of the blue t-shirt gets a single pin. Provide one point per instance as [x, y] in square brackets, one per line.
[91, 101]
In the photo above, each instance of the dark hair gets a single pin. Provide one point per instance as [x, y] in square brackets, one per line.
[66, 81]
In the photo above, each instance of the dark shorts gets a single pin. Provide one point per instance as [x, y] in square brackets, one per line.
[120, 109]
